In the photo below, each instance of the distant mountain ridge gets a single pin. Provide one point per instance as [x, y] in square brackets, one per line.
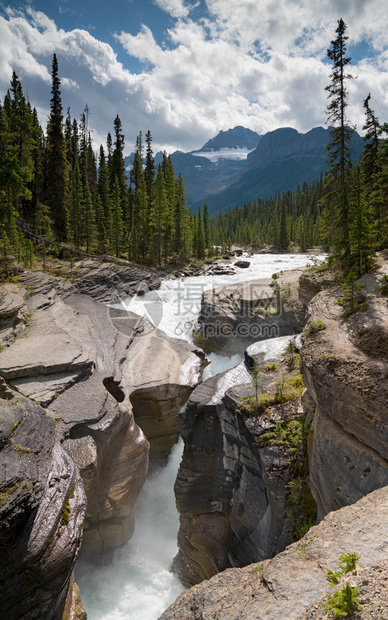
[239, 165]
[282, 160]
[215, 166]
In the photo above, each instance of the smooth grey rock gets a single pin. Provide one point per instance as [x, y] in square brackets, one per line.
[287, 585]
[262, 352]
[54, 343]
[40, 484]
[230, 494]
[158, 376]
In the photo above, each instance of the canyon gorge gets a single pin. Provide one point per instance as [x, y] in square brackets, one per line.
[92, 397]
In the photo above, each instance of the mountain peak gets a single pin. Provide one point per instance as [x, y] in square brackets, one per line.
[236, 138]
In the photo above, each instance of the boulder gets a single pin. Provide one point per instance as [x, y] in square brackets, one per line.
[234, 316]
[243, 264]
[158, 377]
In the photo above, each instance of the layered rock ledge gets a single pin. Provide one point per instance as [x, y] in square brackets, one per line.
[293, 584]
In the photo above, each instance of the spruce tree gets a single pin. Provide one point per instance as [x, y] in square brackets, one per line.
[200, 236]
[158, 214]
[105, 215]
[372, 137]
[372, 172]
[56, 188]
[206, 227]
[149, 166]
[75, 214]
[283, 234]
[170, 185]
[88, 219]
[336, 200]
[16, 161]
[117, 218]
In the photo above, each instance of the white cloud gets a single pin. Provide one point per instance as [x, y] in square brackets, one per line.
[175, 8]
[260, 64]
[142, 46]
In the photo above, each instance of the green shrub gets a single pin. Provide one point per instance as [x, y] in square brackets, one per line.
[290, 434]
[353, 300]
[383, 284]
[313, 327]
[347, 563]
[343, 603]
[303, 509]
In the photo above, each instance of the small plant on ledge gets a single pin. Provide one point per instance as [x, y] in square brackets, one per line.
[343, 602]
[313, 327]
[383, 284]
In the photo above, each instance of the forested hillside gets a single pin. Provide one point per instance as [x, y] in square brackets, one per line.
[52, 189]
[291, 218]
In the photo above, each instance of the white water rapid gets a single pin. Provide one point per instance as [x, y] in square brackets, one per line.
[138, 585]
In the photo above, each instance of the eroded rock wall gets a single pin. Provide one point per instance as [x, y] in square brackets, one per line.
[349, 401]
[219, 489]
[42, 506]
[78, 362]
[234, 316]
[231, 495]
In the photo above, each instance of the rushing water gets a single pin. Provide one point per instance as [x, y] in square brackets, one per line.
[138, 585]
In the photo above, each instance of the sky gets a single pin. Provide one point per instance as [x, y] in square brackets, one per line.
[186, 69]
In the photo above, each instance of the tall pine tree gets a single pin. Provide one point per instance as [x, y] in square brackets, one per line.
[57, 174]
[336, 199]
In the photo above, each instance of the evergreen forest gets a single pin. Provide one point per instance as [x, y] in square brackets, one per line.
[56, 191]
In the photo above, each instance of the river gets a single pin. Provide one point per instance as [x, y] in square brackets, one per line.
[138, 585]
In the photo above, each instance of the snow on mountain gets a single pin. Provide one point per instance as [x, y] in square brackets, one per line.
[234, 153]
